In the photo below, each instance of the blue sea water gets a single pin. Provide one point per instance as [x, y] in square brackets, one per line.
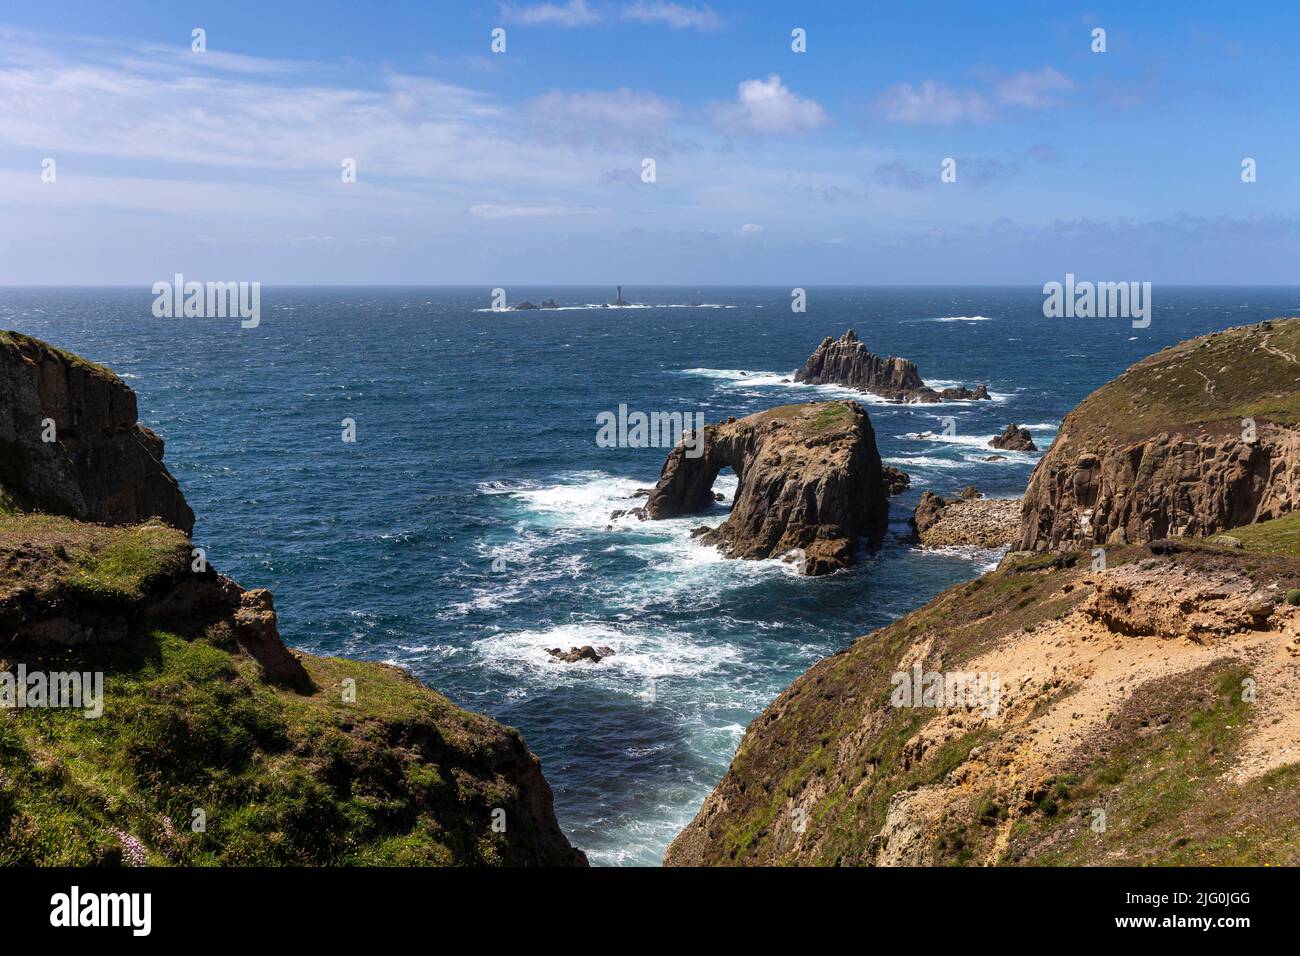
[467, 528]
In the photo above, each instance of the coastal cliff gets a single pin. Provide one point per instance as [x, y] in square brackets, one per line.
[70, 443]
[810, 478]
[846, 361]
[1139, 707]
[1196, 439]
[215, 743]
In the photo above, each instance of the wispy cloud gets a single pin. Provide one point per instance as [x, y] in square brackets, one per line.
[1034, 90]
[601, 116]
[674, 15]
[495, 211]
[931, 104]
[575, 13]
[934, 104]
[768, 106]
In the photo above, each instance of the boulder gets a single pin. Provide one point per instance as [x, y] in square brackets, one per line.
[1014, 438]
[896, 480]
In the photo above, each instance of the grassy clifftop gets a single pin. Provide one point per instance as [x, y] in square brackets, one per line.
[370, 767]
[1216, 379]
[208, 741]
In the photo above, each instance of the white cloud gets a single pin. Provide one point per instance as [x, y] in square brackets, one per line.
[575, 13]
[1033, 90]
[622, 108]
[768, 106]
[752, 230]
[673, 15]
[495, 211]
[932, 105]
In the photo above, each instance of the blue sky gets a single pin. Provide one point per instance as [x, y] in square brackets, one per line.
[484, 168]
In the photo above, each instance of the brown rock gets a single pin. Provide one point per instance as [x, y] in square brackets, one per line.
[809, 478]
[103, 466]
[847, 362]
[1014, 438]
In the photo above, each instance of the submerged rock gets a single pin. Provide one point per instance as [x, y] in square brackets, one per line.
[586, 652]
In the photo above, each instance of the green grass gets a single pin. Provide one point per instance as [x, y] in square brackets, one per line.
[815, 418]
[1278, 536]
[48, 554]
[1214, 380]
[398, 777]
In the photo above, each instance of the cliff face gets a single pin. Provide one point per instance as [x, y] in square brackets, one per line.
[809, 478]
[847, 362]
[1196, 439]
[215, 744]
[101, 464]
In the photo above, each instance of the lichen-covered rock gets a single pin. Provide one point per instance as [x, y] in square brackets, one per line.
[847, 362]
[809, 479]
[70, 442]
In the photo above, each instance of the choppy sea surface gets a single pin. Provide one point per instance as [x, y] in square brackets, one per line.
[467, 528]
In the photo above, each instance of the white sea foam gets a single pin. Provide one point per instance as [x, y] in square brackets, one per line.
[985, 559]
[926, 461]
[962, 318]
[640, 655]
[584, 307]
[977, 442]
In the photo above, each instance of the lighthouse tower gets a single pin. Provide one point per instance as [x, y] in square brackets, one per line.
[618, 295]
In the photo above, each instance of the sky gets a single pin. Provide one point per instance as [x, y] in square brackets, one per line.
[529, 165]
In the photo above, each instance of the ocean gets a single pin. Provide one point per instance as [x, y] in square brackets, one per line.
[467, 528]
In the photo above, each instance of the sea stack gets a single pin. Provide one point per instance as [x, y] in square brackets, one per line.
[846, 361]
[811, 485]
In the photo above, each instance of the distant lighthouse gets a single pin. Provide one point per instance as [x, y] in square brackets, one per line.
[618, 295]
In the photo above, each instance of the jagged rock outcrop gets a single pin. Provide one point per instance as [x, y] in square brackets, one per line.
[809, 478]
[847, 362]
[896, 480]
[70, 442]
[968, 520]
[1197, 439]
[1014, 438]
